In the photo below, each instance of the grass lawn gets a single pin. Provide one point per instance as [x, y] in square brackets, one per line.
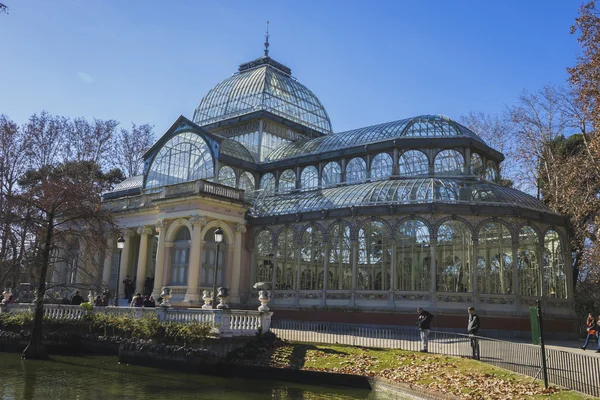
[460, 377]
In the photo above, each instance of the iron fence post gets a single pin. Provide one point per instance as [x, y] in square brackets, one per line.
[542, 347]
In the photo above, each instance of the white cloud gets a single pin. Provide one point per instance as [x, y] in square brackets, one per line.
[85, 77]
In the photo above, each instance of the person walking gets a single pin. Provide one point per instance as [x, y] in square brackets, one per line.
[472, 329]
[424, 323]
[590, 325]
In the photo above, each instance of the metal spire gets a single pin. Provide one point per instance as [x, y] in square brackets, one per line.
[267, 41]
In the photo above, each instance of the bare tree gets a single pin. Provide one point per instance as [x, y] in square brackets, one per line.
[131, 146]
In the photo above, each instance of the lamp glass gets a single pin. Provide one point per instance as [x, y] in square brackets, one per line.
[121, 243]
[218, 235]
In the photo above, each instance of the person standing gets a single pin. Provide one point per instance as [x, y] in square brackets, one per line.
[472, 329]
[590, 326]
[424, 323]
[127, 288]
[76, 299]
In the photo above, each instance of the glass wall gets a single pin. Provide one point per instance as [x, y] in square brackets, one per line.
[528, 263]
[413, 257]
[476, 165]
[263, 251]
[494, 260]
[247, 182]
[453, 257]
[227, 176]
[413, 163]
[287, 181]
[331, 174]
[449, 162]
[311, 260]
[267, 183]
[180, 253]
[381, 166]
[374, 257]
[309, 179]
[491, 171]
[553, 268]
[286, 261]
[340, 252]
[356, 170]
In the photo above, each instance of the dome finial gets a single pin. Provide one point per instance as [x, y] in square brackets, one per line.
[267, 41]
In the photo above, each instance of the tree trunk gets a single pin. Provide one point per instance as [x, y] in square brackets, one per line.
[36, 349]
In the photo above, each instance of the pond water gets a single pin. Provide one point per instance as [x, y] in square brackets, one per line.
[102, 378]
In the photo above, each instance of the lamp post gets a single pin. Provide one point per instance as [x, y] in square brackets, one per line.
[218, 240]
[120, 245]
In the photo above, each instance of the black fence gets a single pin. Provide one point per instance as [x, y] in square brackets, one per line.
[573, 371]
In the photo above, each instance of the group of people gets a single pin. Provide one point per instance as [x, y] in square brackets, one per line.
[473, 325]
[592, 326]
[139, 301]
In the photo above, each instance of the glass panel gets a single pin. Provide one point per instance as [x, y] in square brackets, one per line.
[491, 171]
[179, 257]
[309, 178]
[227, 176]
[356, 170]
[413, 258]
[185, 157]
[311, 260]
[494, 260]
[331, 174]
[449, 162]
[339, 264]
[413, 163]
[267, 183]
[381, 166]
[453, 257]
[528, 264]
[374, 256]
[555, 279]
[269, 143]
[247, 182]
[287, 181]
[476, 165]
[286, 261]
[264, 257]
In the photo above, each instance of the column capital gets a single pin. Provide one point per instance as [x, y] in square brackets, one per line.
[128, 232]
[144, 230]
[198, 220]
[160, 224]
[169, 244]
[240, 228]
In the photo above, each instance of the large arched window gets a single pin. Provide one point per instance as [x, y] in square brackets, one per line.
[267, 183]
[491, 171]
[554, 277]
[494, 260]
[247, 182]
[374, 257]
[180, 257]
[356, 170]
[339, 254]
[413, 258]
[476, 165]
[311, 260]
[264, 257]
[331, 174]
[287, 181]
[453, 257]
[227, 176]
[185, 157]
[309, 178]
[449, 162]
[413, 163]
[381, 166]
[528, 263]
[286, 261]
[209, 254]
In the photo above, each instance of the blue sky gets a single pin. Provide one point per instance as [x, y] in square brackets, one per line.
[368, 62]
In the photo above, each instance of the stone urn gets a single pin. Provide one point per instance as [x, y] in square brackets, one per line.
[90, 297]
[264, 297]
[207, 299]
[223, 296]
[166, 295]
[7, 293]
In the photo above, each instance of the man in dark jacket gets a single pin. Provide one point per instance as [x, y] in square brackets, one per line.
[472, 329]
[424, 323]
[76, 299]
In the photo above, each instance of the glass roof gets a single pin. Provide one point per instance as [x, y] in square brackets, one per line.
[401, 191]
[263, 84]
[424, 126]
[235, 149]
[130, 183]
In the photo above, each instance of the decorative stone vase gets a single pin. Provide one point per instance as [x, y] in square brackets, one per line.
[207, 299]
[264, 297]
[7, 293]
[166, 295]
[223, 296]
[91, 297]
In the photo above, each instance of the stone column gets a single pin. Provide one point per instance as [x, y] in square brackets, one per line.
[161, 229]
[125, 261]
[236, 266]
[144, 233]
[228, 266]
[167, 268]
[82, 267]
[110, 248]
[191, 294]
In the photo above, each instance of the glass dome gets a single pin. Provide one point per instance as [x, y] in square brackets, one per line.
[263, 84]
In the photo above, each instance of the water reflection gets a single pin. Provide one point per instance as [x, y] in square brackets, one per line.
[102, 378]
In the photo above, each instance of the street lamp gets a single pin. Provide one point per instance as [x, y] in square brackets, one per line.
[218, 240]
[120, 245]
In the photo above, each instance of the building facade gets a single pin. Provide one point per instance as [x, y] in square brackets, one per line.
[378, 220]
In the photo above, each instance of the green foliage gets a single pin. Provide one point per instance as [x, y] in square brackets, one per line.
[10, 321]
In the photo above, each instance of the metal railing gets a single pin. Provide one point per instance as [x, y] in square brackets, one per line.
[573, 371]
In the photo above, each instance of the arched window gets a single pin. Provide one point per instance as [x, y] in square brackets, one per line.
[374, 257]
[554, 277]
[381, 166]
[476, 165]
[413, 163]
[331, 174]
[528, 263]
[247, 182]
[287, 181]
[309, 178]
[494, 260]
[311, 259]
[339, 254]
[209, 254]
[267, 183]
[449, 162]
[413, 258]
[264, 257]
[227, 176]
[180, 257]
[453, 257]
[286, 261]
[185, 157]
[356, 170]
[491, 171]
